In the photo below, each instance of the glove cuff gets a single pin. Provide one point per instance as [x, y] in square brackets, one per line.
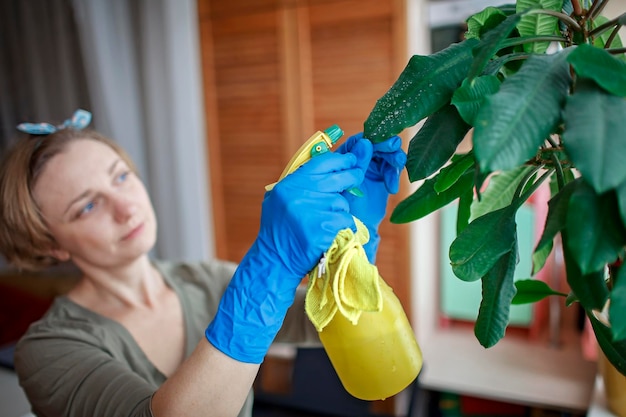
[252, 309]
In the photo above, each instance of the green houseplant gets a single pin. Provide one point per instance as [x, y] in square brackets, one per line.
[541, 86]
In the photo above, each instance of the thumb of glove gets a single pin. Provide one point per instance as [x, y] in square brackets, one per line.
[363, 150]
[390, 145]
[389, 168]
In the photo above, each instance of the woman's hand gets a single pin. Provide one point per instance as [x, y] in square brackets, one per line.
[300, 218]
[381, 179]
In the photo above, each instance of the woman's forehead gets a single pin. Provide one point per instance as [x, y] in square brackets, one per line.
[74, 171]
[84, 152]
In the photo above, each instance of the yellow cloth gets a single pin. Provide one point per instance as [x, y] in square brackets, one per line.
[343, 281]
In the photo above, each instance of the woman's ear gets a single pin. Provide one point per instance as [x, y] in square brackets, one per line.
[60, 254]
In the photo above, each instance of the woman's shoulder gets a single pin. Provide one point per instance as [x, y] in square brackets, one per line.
[211, 273]
[66, 317]
[68, 322]
[71, 352]
[64, 324]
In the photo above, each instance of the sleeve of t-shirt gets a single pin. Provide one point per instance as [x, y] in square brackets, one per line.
[73, 370]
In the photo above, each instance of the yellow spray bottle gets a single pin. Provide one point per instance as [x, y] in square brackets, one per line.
[364, 331]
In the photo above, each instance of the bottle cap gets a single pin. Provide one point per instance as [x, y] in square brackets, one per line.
[334, 132]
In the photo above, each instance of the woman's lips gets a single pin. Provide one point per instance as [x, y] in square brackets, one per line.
[134, 233]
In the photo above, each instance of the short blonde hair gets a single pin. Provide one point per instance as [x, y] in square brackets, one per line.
[25, 240]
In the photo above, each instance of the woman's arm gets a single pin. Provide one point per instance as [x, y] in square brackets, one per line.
[300, 218]
[208, 383]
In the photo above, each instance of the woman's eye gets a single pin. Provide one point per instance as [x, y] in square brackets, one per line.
[87, 209]
[122, 177]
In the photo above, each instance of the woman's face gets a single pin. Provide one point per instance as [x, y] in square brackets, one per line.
[96, 208]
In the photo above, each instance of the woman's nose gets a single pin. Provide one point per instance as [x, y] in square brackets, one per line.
[124, 207]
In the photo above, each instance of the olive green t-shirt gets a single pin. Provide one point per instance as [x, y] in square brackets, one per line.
[76, 363]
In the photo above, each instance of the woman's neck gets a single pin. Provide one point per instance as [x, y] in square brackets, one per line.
[130, 286]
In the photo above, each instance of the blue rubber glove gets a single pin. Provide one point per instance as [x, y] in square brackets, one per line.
[300, 218]
[381, 179]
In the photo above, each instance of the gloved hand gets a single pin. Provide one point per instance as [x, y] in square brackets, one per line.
[300, 218]
[381, 179]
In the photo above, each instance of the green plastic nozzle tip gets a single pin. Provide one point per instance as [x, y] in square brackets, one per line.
[334, 133]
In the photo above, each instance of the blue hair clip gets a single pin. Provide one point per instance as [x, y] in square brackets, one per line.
[79, 120]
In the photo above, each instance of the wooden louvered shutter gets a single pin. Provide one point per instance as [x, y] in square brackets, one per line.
[277, 71]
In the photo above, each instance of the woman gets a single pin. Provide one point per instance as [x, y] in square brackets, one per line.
[127, 340]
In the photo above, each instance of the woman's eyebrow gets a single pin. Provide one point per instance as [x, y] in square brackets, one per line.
[113, 165]
[84, 194]
[80, 197]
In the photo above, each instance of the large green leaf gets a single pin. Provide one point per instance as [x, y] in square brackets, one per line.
[425, 85]
[617, 309]
[602, 67]
[425, 199]
[463, 212]
[471, 94]
[532, 290]
[595, 135]
[500, 191]
[435, 143]
[568, 9]
[595, 234]
[482, 243]
[615, 351]
[538, 24]
[498, 292]
[450, 174]
[558, 207]
[491, 43]
[556, 219]
[540, 256]
[484, 21]
[515, 121]
[590, 289]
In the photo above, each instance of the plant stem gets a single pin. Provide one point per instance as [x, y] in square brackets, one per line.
[596, 8]
[578, 10]
[612, 36]
[527, 39]
[605, 26]
[565, 18]
[593, 8]
[559, 171]
[494, 66]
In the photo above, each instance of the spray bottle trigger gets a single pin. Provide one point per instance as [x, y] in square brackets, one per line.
[319, 148]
